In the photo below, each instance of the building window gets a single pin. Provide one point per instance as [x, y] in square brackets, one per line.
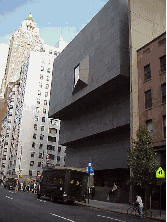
[39, 164]
[35, 136]
[32, 154]
[163, 63]
[76, 75]
[38, 101]
[37, 109]
[59, 149]
[58, 158]
[47, 86]
[39, 92]
[51, 139]
[42, 128]
[50, 147]
[47, 79]
[43, 119]
[50, 51]
[163, 88]
[41, 137]
[162, 42]
[48, 70]
[30, 172]
[44, 110]
[52, 130]
[40, 84]
[55, 53]
[46, 94]
[51, 157]
[148, 99]
[36, 118]
[33, 145]
[164, 126]
[41, 76]
[40, 146]
[149, 126]
[45, 102]
[32, 163]
[147, 72]
[42, 68]
[35, 126]
[40, 155]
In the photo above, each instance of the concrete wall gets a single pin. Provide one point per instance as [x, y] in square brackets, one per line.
[105, 40]
[109, 114]
[105, 151]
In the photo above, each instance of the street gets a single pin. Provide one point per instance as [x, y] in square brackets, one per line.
[26, 207]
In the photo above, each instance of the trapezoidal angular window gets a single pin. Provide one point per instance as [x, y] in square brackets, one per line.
[81, 74]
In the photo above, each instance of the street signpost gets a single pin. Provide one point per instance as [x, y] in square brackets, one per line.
[90, 171]
[160, 173]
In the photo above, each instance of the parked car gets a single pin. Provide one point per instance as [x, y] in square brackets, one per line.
[10, 183]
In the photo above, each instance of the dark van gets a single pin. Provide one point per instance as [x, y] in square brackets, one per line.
[64, 184]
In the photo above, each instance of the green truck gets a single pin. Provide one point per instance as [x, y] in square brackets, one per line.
[63, 184]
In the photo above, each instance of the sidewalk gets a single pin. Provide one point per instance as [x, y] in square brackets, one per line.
[120, 208]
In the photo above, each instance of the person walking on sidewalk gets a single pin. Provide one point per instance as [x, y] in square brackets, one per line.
[93, 191]
[140, 205]
[16, 186]
[24, 186]
[114, 190]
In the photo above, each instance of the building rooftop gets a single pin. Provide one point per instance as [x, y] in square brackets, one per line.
[30, 18]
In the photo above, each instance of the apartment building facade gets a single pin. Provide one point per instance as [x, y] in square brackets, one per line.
[151, 64]
[21, 42]
[35, 137]
[7, 152]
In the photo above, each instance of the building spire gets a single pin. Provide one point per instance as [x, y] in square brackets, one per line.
[30, 17]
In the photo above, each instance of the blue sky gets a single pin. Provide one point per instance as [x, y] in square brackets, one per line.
[54, 18]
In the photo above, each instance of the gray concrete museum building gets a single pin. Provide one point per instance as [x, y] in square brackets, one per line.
[91, 95]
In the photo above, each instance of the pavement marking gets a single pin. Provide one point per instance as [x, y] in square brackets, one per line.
[112, 218]
[61, 217]
[9, 197]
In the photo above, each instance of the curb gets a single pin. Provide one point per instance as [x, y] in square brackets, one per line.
[120, 212]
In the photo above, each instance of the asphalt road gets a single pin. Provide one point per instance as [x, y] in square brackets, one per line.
[26, 207]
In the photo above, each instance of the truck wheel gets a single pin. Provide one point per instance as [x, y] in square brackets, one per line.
[52, 198]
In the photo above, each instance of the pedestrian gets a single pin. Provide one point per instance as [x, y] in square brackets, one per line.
[21, 185]
[34, 187]
[93, 192]
[28, 186]
[24, 186]
[114, 190]
[140, 205]
[31, 187]
[16, 186]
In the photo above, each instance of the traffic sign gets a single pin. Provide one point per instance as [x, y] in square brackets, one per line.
[89, 164]
[160, 173]
[91, 170]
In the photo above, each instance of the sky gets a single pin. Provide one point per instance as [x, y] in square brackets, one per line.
[54, 18]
